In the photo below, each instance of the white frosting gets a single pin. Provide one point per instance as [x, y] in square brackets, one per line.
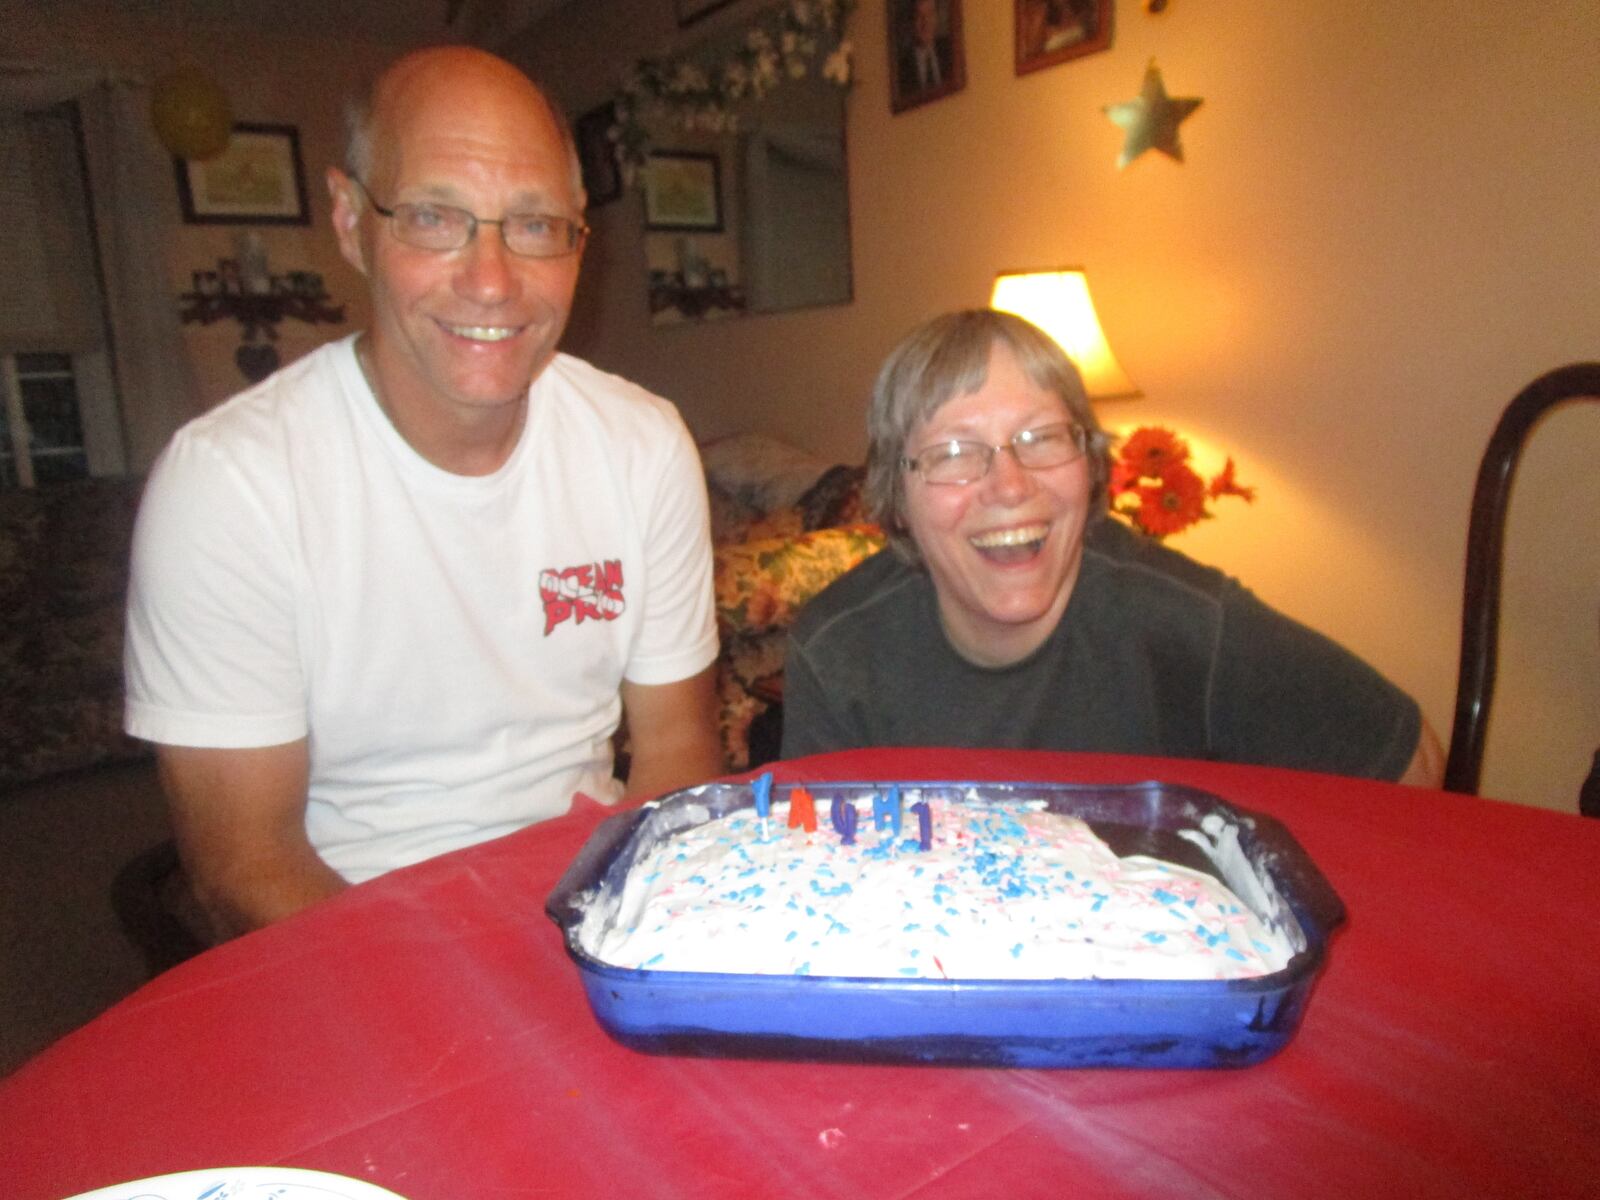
[1005, 891]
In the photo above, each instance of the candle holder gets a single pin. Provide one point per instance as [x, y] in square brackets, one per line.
[258, 300]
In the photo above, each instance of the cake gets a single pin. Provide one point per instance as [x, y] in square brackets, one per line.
[942, 885]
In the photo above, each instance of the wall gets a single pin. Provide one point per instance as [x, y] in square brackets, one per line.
[285, 75]
[1385, 226]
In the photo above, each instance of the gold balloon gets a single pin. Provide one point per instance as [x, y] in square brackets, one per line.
[190, 113]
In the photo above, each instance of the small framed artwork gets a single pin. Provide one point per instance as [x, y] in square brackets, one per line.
[257, 180]
[683, 192]
[1052, 31]
[927, 60]
[690, 11]
[597, 155]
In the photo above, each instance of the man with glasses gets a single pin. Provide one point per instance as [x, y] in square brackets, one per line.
[395, 599]
[1013, 612]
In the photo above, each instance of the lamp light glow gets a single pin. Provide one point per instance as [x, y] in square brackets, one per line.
[1058, 302]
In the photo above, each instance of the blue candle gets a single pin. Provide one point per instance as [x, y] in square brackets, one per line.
[886, 810]
[761, 790]
[924, 825]
[843, 816]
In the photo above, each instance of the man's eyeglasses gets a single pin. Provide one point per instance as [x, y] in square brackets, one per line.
[967, 462]
[429, 226]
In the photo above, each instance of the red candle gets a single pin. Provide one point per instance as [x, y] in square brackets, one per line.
[802, 810]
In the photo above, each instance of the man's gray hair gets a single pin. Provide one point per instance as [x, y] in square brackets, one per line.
[948, 357]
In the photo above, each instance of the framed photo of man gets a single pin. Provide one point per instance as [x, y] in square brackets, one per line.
[926, 57]
[1053, 31]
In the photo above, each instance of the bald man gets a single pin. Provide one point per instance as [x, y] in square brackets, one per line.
[395, 599]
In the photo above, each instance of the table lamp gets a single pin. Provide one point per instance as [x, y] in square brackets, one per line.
[1058, 302]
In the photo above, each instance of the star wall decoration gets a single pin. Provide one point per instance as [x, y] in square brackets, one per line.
[1151, 119]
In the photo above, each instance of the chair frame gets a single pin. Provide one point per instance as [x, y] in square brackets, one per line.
[1480, 611]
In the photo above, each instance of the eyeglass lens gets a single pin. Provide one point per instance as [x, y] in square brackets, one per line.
[444, 227]
[966, 462]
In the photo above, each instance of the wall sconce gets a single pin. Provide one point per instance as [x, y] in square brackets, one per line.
[1058, 302]
[246, 290]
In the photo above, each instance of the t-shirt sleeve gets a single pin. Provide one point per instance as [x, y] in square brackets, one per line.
[678, 635]
[1286, 695]
[211, 655]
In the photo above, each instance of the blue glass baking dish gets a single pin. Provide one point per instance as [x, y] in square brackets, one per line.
[1012, 1023]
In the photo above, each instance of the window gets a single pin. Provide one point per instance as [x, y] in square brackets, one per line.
[59, 418]
[41, 429]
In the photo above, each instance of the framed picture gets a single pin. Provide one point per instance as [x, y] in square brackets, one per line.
[597, 155]
[1052, 31]
[683, 192]
[926, 57]
[690, 11]
[257, 180]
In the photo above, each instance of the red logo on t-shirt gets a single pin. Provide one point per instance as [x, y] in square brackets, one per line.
[592, 592]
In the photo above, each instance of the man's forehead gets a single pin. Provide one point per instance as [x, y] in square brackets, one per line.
[445, 150]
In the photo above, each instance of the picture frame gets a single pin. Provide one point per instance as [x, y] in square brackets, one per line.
[690, 11]
[259, 179]
[927, 54]
[597, 154]
[683, 192]
[1054, 31]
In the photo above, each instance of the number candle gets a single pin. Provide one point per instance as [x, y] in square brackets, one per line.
[924, 825]
[886, 810]
[802, 810]
[761, 792]
[844, 820]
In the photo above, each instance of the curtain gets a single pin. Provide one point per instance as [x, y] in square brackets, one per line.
[132, 206]
[51, 301]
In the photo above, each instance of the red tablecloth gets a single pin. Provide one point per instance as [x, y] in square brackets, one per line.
[427, 1032]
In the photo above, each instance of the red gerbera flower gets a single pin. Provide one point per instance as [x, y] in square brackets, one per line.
[1225, 485]
[1150, 450]
[1174, 504]
[1123, 477]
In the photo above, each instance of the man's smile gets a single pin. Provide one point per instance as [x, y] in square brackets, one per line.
[482, 333]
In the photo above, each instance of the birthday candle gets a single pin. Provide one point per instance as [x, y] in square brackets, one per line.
[924, 825]
[886, 810]
[802, 810]
[843, 816]
[761, 790]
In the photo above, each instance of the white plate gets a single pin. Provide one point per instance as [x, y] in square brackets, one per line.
[244, 1183]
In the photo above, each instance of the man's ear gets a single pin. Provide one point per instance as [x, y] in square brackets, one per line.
[347, 218]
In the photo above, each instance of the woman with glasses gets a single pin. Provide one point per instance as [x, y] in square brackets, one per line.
[1013, 612]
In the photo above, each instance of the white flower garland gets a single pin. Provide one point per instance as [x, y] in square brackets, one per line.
[785, 43]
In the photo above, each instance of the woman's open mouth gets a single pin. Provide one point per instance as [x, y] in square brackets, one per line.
[1010, 545]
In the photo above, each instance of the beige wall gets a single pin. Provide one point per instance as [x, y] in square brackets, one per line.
[1385, 227]
[289, 76]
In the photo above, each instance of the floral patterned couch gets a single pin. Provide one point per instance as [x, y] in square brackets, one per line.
[784, 524]
[63, 580]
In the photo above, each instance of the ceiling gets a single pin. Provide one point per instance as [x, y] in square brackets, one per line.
[486, 21]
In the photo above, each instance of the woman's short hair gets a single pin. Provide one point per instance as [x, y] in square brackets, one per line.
[949, 357]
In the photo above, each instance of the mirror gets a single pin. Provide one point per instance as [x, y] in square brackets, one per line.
[751, 219]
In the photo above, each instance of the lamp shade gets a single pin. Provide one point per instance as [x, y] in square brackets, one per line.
[1058, 302]
[191, 115]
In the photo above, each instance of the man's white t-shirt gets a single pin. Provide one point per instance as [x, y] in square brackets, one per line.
[451, 645]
